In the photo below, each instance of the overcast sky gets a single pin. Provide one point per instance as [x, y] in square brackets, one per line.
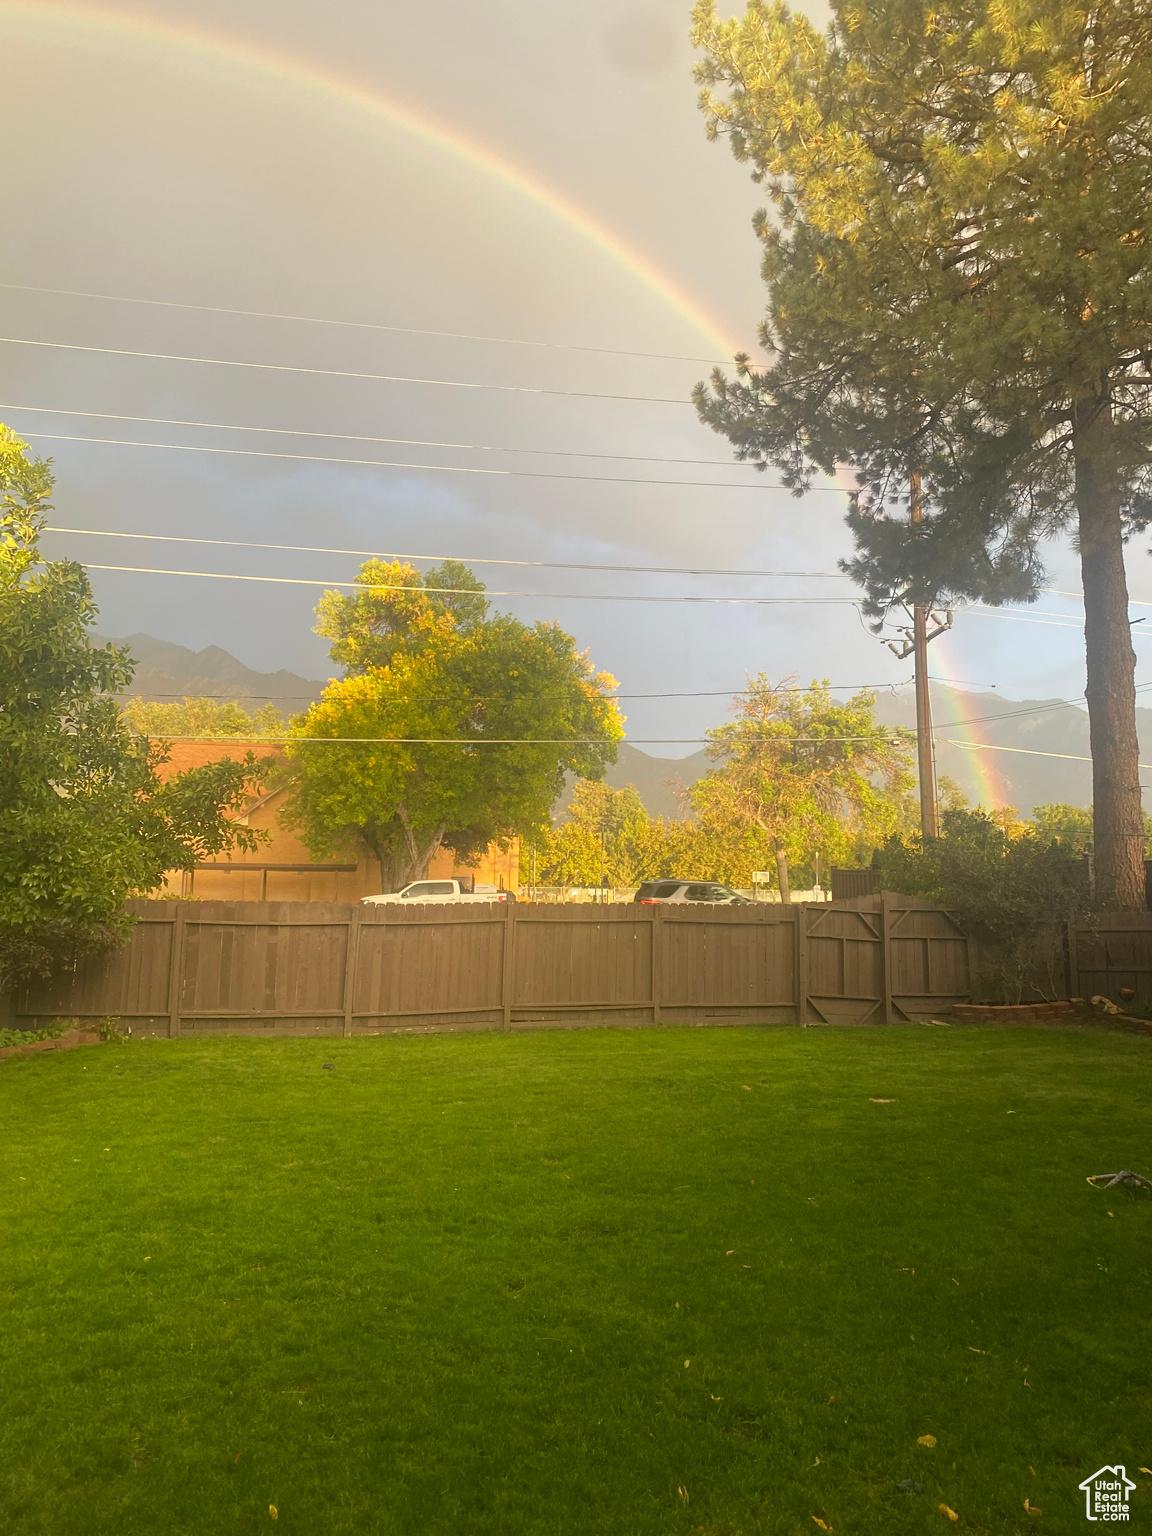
[557, 188]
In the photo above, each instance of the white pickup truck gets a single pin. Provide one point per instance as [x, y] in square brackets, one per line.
[435, 893]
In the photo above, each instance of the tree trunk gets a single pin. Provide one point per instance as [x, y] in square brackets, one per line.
[782, 875]
[419, 855]
[1118, 827]
[392, 864]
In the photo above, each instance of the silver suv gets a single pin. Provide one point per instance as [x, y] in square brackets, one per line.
[656, 892]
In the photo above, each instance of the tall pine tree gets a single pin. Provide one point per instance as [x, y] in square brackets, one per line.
[959, 284]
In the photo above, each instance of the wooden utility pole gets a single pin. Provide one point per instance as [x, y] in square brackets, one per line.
[925, 765]
[915, 644]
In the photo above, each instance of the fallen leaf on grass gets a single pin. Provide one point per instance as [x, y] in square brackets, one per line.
[745, 1087]
[949, 1513]
[928, 1440]
[1030, 1509]
[273, 1511]
[1148, 1470]
[237, 1455]
[686, 1364]
[682, 1495]
[823, 1524]
[716, 1399]
[882, 1101]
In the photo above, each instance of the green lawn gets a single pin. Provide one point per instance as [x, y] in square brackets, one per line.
[482, 1284]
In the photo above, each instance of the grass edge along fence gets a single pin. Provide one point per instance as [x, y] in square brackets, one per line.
[211, 967]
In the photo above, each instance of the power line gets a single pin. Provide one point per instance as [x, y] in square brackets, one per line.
[1079, 596]
[342, 373]
[437, 469]
[1036, 709]
[598, 597]
[605, 597]
[532, 741]
[148, 694]
[358, 437]
[360, 325]
[983, 746]
[374, 554]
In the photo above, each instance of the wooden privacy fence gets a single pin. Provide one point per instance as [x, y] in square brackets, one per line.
[317, 967]
[1108, 951]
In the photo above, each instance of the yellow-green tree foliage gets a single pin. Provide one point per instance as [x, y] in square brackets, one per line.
[800, 774]
[205, 718]
[453, 728]
[607, 834]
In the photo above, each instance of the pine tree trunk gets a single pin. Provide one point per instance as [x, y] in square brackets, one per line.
[1118, 828]
[782, 875]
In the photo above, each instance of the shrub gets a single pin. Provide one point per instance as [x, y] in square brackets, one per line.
[1013, 889]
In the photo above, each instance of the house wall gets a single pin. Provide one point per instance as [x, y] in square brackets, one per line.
[246, 876]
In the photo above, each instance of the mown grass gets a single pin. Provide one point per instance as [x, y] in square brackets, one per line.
[543, 1283]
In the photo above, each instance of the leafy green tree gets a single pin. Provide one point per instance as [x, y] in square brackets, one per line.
[396, 606]
[84, 820]
[801, 774]
[452, 729]
[960, 284]
[1071, 826]
[607, 833]
[1014, 894]
[1067, 826]
[203, 717]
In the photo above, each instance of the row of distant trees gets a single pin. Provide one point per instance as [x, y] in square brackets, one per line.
[796, 775]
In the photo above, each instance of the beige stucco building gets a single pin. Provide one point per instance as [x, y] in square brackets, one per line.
[282, 869]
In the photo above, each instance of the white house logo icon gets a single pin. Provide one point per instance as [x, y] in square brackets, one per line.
[1106, 1494]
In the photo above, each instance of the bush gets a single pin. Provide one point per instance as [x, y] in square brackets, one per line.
[1014, 890]
[27, 1036]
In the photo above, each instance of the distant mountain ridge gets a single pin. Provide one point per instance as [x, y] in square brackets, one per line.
[1047, 738]
[165, 672]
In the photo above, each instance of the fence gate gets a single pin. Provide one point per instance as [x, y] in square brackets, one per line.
[845, 969]
[882, 959]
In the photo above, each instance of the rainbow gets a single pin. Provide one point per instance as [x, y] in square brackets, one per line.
[990, 787]
[325, 91]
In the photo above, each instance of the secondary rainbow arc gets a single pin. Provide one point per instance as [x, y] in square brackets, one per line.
[329, 90]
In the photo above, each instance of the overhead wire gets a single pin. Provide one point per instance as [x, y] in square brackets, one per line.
[987, 746]
[710, 693]
[360, 325]
[532, 741]
[342, 373]
[604, 597]
[607, 597]
[371, 554]
[360, 437]
[436, 469]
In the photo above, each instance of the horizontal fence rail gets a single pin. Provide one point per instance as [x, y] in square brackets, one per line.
[202, 967]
